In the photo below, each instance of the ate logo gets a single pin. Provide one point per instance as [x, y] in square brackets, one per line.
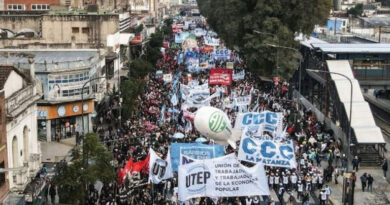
[197, 180]
[159, 168]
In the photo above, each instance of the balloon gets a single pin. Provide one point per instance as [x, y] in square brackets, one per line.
[215, 124]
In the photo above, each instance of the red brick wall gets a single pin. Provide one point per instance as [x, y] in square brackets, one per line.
[28, 3]
[3, 145]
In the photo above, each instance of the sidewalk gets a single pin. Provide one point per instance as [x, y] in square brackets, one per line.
[380, 194]
[56, 151]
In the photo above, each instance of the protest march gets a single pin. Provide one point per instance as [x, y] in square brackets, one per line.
[206, 131]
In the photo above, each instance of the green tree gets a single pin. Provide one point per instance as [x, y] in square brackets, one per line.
[130, 90]
[356, 11]
[140, 68]
[236, 20]
[71, 178]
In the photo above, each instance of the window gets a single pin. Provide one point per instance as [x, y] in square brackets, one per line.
[40, 7]
[75, 30]
[85, 30]
[2, 175]
[16, 7]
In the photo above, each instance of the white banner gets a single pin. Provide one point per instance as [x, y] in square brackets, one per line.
[167, 78]
[242, 101]
[239, 76]
[252, 120]
[159, 169]
[221, 177]
[268, 151]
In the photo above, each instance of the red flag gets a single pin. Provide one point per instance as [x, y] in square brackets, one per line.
[129, 165]
[141, 165]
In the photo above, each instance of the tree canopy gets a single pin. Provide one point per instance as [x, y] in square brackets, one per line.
[236, 20]
[71, 177]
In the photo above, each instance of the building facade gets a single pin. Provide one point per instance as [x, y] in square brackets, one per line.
[21, 93]
[68, 77]
[4, 184]
[28, 5]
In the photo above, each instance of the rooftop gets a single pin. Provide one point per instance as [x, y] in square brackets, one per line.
[377, 21]
[46, 60]
[352, 48]
[81, 12]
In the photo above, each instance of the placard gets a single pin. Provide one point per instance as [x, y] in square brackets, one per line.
[266, 150]
[221, 177]
[269, 120]
[194, 150]
[220, 76]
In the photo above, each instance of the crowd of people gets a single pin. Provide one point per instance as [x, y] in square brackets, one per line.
[156, 119]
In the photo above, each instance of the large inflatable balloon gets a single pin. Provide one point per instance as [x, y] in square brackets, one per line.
[215, 124]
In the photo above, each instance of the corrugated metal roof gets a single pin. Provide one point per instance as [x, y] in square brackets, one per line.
[53, 59]
[353, 48]
[377, 21]
[362, 120]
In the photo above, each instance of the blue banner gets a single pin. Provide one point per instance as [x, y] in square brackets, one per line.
[195, 151]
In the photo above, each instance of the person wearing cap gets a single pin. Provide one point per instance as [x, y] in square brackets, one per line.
[299, 189]
[276, 181]
[285, 180]
[294, 179]
[323, 196]
[271, 180]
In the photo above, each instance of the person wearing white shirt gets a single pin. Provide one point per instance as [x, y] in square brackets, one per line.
[271, 180]
[314, 180]
[294, 179]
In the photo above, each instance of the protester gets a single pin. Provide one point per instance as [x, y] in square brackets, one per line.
[363, 180]
[370, 181]
[384, 168]
[166, 109]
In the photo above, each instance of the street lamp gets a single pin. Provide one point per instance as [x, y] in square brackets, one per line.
[300, 64]
[277, 39]
[350, 108]
[82, 121]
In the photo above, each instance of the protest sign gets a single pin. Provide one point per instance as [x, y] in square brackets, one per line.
[239, 76]
[194, 150]
[159, 169]
[242, 100]
[252, 120]
[167, 78]
[220, 76]
[230, 65]
[210, 41]
[266, 150]
[222, 54]
[221, 177]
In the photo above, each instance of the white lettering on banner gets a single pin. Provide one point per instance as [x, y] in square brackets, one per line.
[243, 101]
[220, 77]
[267, 151]
[252, 120]
[221, 177]
[222, 54]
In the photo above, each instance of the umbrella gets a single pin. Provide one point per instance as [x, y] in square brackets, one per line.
[201, 140]
[178, 135]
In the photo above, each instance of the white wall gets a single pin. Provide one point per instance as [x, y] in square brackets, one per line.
[15, 128]
[13, 84]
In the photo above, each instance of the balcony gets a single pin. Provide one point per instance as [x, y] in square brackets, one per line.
[21, 100]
